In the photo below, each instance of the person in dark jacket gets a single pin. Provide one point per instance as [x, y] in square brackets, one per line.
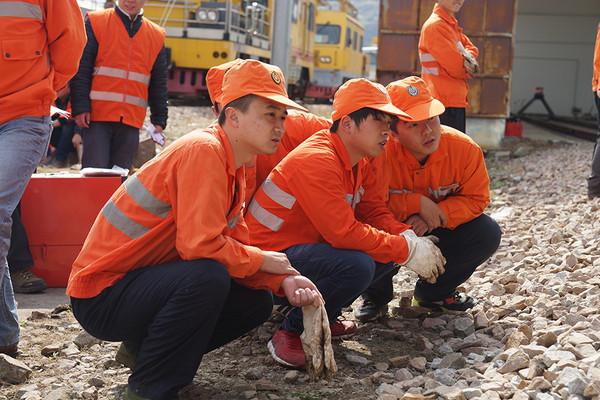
[123, 70]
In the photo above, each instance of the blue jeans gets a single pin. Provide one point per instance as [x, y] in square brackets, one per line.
[174, 313]
[23, 142]
[465, 248]
[341, 275]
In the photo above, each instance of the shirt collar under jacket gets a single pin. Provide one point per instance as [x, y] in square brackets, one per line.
[141, 13]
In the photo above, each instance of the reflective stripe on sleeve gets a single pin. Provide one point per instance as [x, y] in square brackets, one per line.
[118, 97]
[144, 198]
[426, 57]
[232, 222]
[432, 71]
[263, 216]
[119, 220]
[277, 195]
[20, 9]
[121, 73]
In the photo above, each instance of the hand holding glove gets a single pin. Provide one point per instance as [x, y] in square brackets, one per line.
[424, 257]
[469, 61]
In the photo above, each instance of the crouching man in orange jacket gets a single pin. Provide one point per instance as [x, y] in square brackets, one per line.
[437, 183]
[166, 267]
[322, 208]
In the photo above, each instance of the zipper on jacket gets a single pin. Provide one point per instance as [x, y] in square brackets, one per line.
[126, 78]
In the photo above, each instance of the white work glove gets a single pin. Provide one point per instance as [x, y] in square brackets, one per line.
[598, 93]
[424, 257]
[469, 61]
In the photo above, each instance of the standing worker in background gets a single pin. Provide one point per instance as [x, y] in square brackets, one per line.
[42, 41]
[448, 58]
[594, 179]
[123, 70]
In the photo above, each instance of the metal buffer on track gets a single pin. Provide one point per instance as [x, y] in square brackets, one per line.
[569, 126]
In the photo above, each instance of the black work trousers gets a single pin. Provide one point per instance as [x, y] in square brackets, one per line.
[465, 248]
[456, 117]
[176, 313]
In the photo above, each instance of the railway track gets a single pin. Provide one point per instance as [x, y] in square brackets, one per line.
[583, 129]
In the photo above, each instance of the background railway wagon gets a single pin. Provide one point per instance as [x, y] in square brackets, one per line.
[339, 41]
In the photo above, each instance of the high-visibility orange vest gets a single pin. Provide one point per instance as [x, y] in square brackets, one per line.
[122, 68]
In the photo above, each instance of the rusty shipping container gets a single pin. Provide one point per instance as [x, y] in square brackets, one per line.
[489, 24]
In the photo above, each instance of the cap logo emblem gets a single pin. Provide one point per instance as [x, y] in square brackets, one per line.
[381, 88]
[275, 77]
[413, 91]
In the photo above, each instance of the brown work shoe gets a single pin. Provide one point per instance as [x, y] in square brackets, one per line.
[24, 281]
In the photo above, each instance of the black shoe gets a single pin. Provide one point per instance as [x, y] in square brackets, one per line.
[457, 302]
[24, 281]
[370, 311]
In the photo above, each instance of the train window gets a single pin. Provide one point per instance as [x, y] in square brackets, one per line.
[295, 11]
[311, 17]
[355, 41]
[362, 39]
[348, 37]
[328, 34]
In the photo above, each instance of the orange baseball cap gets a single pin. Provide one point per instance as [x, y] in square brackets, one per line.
[214, 80]
[413, 95]
[257, 78]
[360, 93]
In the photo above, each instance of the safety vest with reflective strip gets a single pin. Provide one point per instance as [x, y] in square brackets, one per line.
[29, 78]
[122, 69]
[442, 66]
[315, 195]
[454, 177]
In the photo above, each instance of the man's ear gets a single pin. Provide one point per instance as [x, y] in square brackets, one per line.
[346, 123]
[232, 116]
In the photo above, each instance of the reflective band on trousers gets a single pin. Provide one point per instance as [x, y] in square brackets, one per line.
[20, 9]
[432, 71]
[144, 199]
[121, 73]
[118, 97]
[426, 57]
[393, 191]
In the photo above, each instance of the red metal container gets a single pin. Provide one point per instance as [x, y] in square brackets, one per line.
[58, 211]
[513, 129]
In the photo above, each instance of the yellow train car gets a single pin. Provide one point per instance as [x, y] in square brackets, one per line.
[203, 34]
[339, 41]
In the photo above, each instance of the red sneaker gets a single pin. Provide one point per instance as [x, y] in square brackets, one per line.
[286, 349]
[341, 328]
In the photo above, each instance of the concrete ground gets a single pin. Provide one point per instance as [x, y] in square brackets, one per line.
[52, 297]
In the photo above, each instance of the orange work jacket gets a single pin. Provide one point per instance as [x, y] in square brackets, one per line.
[185, 204]
[41, 43]
[596, 77]
[122, 68]
[299, 126]
[442, 66]
[315, 195]
[454, 177]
